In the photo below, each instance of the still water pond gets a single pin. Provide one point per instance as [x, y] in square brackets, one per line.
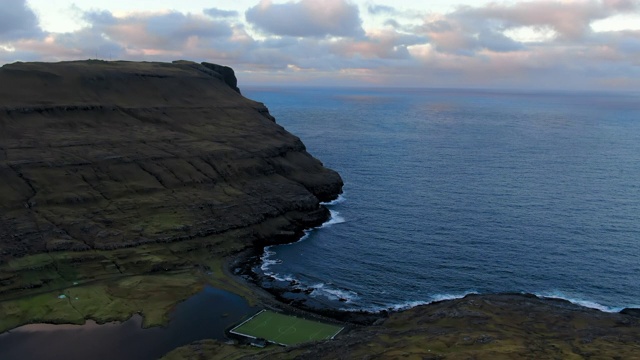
[203, 316]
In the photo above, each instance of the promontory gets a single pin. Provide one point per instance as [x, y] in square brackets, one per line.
[114, 170]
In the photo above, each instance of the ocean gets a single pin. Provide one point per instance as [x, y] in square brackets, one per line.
[450, 192]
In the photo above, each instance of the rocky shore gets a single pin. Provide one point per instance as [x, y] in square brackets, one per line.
[499, 326]
[478, 326]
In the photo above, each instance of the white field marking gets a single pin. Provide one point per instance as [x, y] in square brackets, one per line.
[262, 324]
[232, 331]
[313, 336]
[286, 331]
[337, 332]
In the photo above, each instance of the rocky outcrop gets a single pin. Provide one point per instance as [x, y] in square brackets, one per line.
[228, 75]
[103, 155]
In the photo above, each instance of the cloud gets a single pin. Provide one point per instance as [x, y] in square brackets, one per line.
[570, 19]
[161, 36]
[381, 44]
[468, 30]
[307, 18]
[394, 14]
[617, 46]
[71, 46]
[166, 30]
[457, 37]
[324, 42]
[380, 9]
[217, 13]
[18, 21]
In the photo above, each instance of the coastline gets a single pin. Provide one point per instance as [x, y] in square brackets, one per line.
[242, 269]
[482, 326]
[154, 275]
[363, 325]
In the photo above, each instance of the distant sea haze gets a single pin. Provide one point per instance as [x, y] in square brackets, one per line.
[450, 192]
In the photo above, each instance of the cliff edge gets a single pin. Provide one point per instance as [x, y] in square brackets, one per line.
[99, 155]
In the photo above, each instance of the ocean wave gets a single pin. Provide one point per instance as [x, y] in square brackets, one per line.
[337, 201]
[410, 304]
[333, 293]
[284, 278]
[586, 303]
[443, 297]
[266, 260]
[333, 220]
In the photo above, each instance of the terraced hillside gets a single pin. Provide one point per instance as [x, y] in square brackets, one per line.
[120, 168]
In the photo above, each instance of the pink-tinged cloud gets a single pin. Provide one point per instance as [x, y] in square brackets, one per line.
[382, 44]
[469, 30]
[168, 30]
[451, 35]
[301, 41]
[570, 19]
[307, 18]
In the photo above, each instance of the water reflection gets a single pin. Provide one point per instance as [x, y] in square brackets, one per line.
[203, 316]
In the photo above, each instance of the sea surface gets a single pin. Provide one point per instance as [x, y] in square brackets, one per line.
[450, 192]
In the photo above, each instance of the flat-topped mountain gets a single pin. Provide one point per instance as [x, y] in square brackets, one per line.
[104, 155]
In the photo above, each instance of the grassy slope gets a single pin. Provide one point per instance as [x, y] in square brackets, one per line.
[124, 181]
[113, 285]
[476, 327]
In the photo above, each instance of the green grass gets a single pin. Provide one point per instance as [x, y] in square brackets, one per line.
[285, 330]
[108, 285]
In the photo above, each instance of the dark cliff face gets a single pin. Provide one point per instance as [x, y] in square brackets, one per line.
[101, 155]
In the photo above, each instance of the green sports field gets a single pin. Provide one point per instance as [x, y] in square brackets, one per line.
[285, 330]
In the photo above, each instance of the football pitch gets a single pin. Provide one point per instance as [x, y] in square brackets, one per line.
[284, 329]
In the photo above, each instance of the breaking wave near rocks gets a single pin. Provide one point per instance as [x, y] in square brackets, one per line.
[311, 287]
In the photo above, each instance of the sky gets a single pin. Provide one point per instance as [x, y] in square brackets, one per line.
[539, 44]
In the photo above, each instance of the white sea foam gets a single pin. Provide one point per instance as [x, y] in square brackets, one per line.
[266, 262]
[285, 278]
[443, 297]
[337, 201]
[581, 302]
[432, 299]
[334, 219]
[411, 304]
[549, 295]
[333, 293]
[403, 306]
[266, 257]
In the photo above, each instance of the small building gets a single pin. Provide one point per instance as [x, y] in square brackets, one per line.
[259, 342]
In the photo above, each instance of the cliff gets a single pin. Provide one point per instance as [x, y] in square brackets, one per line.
[101, 155]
